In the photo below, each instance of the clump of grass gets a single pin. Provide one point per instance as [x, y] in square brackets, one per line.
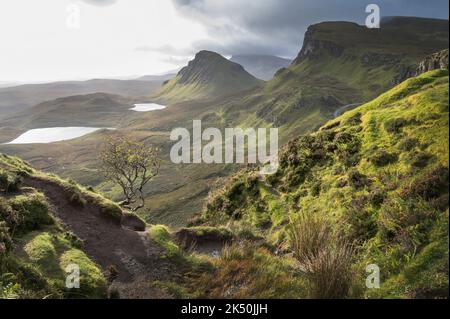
[357, 180]
[52, 252]
[395, 125]
[324, 257]
[408, 143]
[420, 159]
[33, 211]
[5, 243]
[92, 281]
[382, 158]
[10, 182]
[244, 271]
[161, 235]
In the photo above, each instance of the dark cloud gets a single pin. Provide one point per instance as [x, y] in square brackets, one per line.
[277, 26]
[100, 2]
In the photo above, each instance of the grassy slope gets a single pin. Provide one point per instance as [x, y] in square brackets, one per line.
[38, 247]
[377, 174]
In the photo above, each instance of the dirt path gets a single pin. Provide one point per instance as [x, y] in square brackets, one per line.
[133, 254]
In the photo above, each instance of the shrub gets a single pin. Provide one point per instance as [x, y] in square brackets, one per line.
[354, 119]
[363, 223]
[245, 271]
[395, 125]
[11, 217]
[407, 144]
[431, 186]
[33, 210]
[10, 183]
[405, 222]
[377, 197]
[5, 243]
[3, 180]
[383, 158]
[420, 159]
[357, 180]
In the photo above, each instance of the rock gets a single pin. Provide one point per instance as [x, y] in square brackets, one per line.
[133, 222]
[434, 61]
[314, 48]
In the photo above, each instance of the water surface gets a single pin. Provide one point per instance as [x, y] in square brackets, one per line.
[147, 107]
[53, 134]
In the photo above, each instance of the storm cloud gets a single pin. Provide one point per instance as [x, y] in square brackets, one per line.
[277, 26]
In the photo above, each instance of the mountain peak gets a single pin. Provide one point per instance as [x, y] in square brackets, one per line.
[208, 75]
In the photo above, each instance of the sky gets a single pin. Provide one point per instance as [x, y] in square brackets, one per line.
[50, 40]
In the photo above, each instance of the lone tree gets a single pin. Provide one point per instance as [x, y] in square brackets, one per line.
[131, 165]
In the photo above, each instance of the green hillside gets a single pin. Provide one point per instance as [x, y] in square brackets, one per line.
[370, 187]
[35, 247]
[209, 75]
[340, 63]
[97, 109]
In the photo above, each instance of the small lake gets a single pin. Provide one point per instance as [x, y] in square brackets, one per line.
[53, 134]
[147, 107]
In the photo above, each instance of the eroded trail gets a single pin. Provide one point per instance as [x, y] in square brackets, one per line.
[133, 254]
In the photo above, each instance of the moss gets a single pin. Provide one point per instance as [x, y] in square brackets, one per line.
[33, 210]
[160, 234]
[42, 261]
[92, 282]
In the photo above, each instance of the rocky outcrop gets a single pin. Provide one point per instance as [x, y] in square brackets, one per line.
[438, 60]
[434, 61]
[314, 48]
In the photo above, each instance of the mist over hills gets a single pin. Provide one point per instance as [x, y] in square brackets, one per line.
[263, 67]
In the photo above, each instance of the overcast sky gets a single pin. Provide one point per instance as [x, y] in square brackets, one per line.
[45, 40]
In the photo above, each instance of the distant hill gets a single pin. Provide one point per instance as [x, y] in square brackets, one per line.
[157, 78]
[208, 75]
[97, 109]
[263, 67]
[19, 98]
